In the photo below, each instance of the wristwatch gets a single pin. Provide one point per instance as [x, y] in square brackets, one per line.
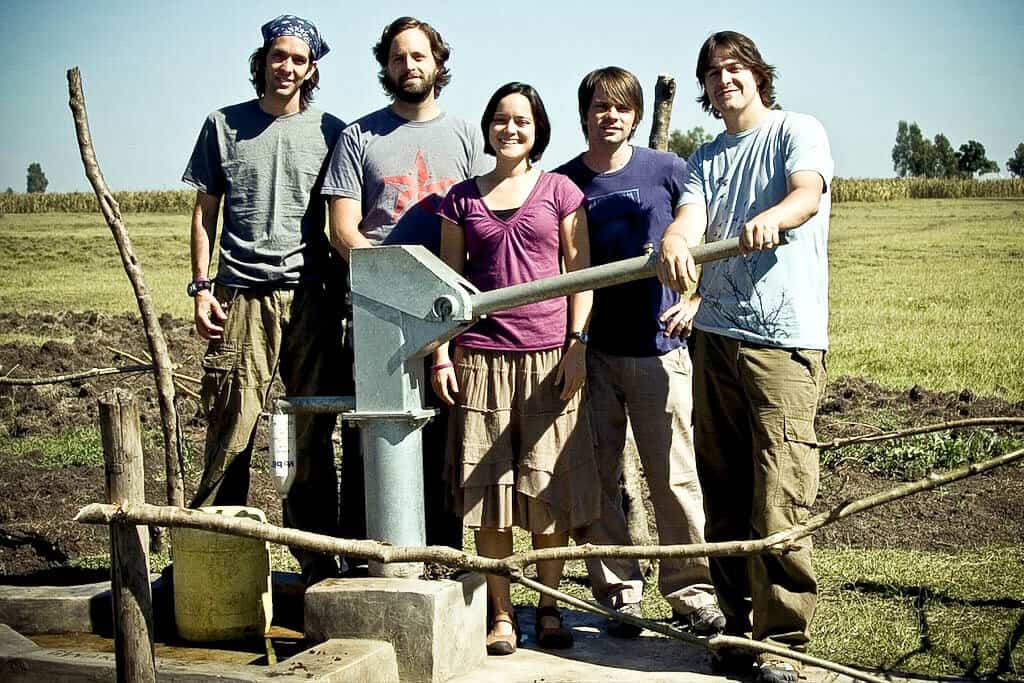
[197, 286]
[581, 337]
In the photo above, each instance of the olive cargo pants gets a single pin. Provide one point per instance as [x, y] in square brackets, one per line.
[754, 410]
[298, 334]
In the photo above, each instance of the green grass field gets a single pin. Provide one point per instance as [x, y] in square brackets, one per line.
[922, 291]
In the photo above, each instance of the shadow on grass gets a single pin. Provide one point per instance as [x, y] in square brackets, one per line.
[923, 596]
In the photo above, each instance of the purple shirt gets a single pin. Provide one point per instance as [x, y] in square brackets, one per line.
[523, 248]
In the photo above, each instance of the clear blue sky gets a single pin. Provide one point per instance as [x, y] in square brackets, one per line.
[153, 70]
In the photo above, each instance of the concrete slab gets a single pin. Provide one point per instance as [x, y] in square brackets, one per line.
[335, 661]
[597, 657]
[83, 608]
[437, 627]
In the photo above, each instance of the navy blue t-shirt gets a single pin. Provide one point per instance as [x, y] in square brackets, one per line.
[627, 210]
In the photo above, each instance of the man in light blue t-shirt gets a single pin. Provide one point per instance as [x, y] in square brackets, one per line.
[760, 340]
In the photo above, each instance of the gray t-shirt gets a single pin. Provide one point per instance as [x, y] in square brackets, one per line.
[268, 170]
[779, 297]
[400, 170]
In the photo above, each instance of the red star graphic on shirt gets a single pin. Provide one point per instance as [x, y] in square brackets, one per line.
[421, 189]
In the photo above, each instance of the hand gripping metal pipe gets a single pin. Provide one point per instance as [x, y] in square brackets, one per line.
[406, 302]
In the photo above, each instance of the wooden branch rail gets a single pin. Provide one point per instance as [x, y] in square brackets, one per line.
[154, 335]
[513, 565]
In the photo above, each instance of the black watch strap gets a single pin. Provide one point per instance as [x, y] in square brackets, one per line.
[581, 337]
[197, 286]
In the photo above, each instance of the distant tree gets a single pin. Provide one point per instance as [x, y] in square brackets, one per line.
[36, 180]
[971, 159]
[922, 153]
[685, 144]
[1015, 164]
[945, 162]
[10, 190]
[901, 150]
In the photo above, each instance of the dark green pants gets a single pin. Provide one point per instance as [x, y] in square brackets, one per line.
[297, 334]
[754, 409]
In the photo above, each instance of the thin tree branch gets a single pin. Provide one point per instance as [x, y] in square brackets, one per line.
[71, 377]
[914, 431]
[713, 643]
[149, 359]
[154, 335]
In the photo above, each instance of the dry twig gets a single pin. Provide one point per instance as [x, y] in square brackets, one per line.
[154, 335]
[72, 376]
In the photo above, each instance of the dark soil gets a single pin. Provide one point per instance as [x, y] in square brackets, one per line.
[37, 503]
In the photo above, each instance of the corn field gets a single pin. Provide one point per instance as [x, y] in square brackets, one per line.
[843, 190]
[887, 189]
[167, 201]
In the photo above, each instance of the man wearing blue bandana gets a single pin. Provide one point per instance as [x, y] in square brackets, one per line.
[270, 311]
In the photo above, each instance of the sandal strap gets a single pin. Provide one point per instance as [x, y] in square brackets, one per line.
[506, 620]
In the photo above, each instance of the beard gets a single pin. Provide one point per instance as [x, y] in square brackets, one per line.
[414, 95]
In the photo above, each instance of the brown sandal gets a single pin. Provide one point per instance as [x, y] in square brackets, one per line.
[503, 645]
[556, 638]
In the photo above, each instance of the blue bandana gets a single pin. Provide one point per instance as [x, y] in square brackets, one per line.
[291, 25]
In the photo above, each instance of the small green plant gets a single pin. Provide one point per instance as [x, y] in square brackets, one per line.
[78, 446]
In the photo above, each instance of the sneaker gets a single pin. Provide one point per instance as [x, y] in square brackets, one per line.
[703, 621]
[732, 661]
[622, 629]
[775, 669]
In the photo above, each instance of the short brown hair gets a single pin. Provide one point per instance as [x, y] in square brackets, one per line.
[258, 76]
[440, 50]
[622, 87]
[736, 46]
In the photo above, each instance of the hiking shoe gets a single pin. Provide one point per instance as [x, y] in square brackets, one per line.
[775, 669]
[622, 629]
[703, 621]
[732, 661]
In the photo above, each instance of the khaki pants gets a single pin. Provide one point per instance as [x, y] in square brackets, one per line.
[656, 390]
[754, 409]
[296, 333]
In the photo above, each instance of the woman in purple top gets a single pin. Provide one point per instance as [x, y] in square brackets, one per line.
[520, 451]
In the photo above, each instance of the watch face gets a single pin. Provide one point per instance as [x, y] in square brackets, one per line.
[195, 287]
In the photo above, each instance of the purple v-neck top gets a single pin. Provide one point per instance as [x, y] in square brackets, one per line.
[522, 248]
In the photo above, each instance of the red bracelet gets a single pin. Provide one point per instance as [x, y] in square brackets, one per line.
[441, 366]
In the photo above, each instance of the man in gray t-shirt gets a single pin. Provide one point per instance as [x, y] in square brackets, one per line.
[760, 341]
[269, 310]
[386, 177]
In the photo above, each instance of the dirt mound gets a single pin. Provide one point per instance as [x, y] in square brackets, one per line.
[38, 499]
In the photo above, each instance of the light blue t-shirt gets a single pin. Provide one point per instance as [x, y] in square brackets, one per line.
[779, 297]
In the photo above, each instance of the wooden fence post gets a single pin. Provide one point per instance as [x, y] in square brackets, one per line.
[664, 93]
[129, 544]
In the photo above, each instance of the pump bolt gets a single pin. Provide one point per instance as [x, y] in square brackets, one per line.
[443, 308]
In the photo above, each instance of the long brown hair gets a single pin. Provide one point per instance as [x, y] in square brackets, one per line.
[258, 74]
[736, 46]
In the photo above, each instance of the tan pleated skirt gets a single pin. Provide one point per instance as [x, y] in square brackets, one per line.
[518, 455]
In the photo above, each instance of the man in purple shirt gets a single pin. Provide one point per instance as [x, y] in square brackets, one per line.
[636, 358]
